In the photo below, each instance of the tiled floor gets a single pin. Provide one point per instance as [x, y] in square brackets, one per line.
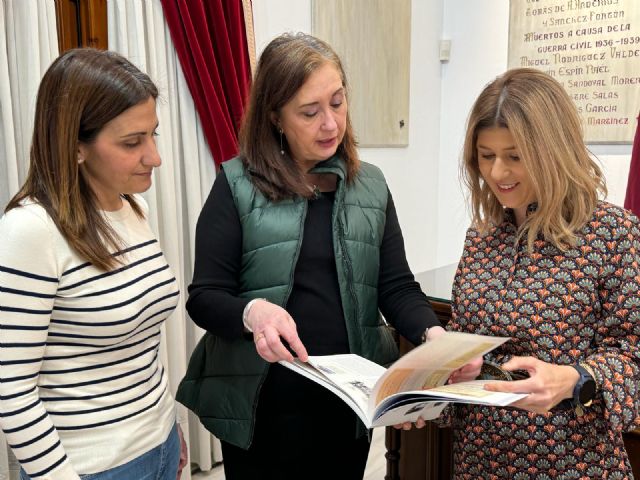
[376, 464]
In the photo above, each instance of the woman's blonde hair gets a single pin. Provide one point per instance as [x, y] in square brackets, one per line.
[546, 128]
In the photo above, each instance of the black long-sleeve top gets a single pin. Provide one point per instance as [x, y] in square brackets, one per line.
[314, 303]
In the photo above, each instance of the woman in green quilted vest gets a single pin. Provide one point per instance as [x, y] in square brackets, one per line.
[298, 250]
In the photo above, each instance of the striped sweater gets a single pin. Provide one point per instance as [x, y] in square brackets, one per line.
[82, 389]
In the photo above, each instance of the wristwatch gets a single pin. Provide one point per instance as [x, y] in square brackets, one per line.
[585, 390]
[583, 393]
[423, 337]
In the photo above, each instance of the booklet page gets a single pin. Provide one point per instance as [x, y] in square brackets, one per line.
[349, 376]
[431, 364]
[351, 373]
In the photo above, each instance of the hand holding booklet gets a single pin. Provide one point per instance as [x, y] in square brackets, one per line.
[414, 386]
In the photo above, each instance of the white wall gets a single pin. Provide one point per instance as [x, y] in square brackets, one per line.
[423, 177]
[412, 171]
[615, 161]
[273, 17]
[479, 33]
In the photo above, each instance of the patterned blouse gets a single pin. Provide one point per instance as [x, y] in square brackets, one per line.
[582, 305]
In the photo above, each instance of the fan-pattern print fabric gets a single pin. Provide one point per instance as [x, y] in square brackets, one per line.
[580, 305]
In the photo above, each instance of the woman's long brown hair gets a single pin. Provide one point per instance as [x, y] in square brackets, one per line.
[80, 93]
[284, 66]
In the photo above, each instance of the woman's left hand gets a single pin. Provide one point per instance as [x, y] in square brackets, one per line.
[467, 372]
[463, 374]
[184, 455]
[547, 385]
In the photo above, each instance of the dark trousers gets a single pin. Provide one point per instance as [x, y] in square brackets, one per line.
[302, 431]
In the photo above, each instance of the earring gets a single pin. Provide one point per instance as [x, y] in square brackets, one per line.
[80, 160]
[281, 147]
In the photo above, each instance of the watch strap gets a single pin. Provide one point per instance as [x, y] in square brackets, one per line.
[591, 372]
[573, 403]
[586, 383]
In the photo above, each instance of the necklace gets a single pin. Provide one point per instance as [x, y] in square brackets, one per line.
[316, 192]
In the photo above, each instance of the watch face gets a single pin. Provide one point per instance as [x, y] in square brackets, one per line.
[587, 391]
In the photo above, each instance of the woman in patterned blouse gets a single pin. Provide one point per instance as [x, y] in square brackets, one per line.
[555, 268]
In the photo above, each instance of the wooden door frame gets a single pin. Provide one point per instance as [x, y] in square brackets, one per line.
[81, 23]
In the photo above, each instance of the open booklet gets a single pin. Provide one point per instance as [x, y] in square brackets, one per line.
[414, 386]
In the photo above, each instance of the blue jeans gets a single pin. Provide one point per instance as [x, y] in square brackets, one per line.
[160, 463]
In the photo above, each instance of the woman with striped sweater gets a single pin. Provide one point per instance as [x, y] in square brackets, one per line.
[84, 286]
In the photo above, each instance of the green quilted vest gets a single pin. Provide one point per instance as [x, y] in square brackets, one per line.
[224, 377]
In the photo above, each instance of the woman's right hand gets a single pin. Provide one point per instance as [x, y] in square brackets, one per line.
[271, 324]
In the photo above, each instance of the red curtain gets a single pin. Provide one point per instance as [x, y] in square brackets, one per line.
[632, 199]
[210, 39]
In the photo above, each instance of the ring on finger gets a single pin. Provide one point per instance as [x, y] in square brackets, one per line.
[259, 337]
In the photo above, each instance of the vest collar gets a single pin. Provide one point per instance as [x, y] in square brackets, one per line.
[333, 164]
